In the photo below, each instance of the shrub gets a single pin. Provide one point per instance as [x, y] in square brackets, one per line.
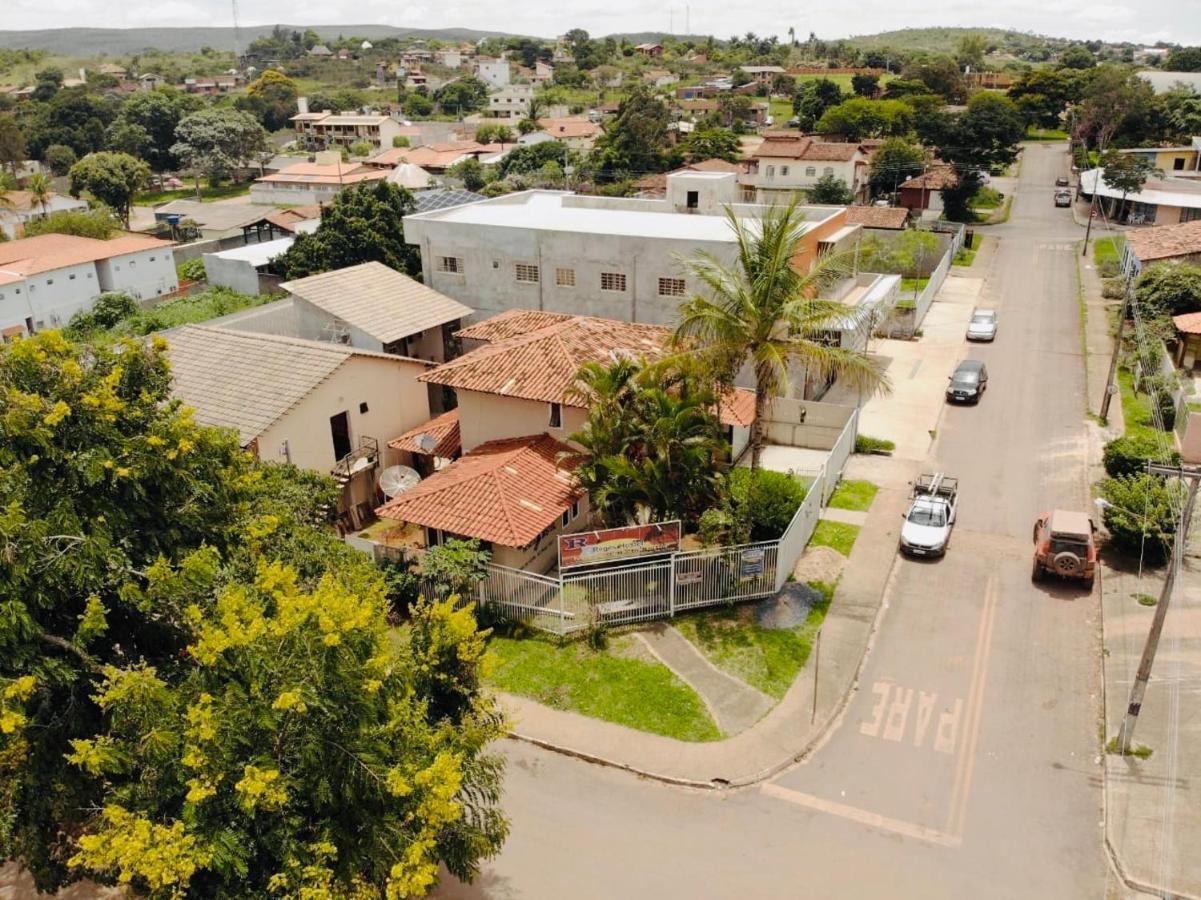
[1171, 288]
[108, 311]
[768, 502]
[866, 444]
[456, 567]
[1161, 389]
[1128, 455]
[191, 270]
[715, 527]
[1142, 516]
[400, 140]
[1113, 288]
[1108, 268]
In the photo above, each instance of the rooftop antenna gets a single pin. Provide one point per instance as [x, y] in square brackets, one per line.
[687, 20]
[237, 34]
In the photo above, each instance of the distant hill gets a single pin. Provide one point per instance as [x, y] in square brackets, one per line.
[945, 40]
[88, 42]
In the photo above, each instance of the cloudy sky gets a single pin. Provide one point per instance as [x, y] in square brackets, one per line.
[1134, 20]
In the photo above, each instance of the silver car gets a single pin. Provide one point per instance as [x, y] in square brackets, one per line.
[983, 326]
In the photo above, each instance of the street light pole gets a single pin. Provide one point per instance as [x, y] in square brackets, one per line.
[1110, 388]
[1139, 689]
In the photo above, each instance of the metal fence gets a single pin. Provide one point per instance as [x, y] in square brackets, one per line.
[796, 536]
[839, 454]
[926, 298]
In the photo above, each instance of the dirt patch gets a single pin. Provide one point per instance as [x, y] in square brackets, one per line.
[819, 564]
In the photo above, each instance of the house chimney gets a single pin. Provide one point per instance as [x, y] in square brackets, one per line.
[302, 105]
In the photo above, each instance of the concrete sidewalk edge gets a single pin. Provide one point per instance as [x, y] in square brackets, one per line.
[831, 719]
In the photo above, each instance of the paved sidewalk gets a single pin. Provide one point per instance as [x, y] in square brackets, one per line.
[846, 516]
[790, 730]
[734, 705]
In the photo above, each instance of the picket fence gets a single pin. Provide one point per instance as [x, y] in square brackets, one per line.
[686, 580]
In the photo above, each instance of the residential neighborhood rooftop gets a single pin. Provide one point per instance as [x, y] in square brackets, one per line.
[440, 436]
[506, 491]
[1165, 241]
[893, 217]
[324, 173]
[46, 252]
[377, 300]
[795, 146]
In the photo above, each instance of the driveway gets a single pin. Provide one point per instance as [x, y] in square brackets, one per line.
[967, 762]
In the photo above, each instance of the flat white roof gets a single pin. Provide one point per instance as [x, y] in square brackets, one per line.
[546, 211]
[1159, 191]
[256, 254]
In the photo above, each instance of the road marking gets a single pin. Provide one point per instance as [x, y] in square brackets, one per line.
[862, 816]
[967, 761]
[893, 716]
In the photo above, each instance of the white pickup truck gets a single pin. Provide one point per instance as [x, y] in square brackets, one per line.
[931, 515]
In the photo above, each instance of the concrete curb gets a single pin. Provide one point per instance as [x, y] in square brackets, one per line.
[831, 720]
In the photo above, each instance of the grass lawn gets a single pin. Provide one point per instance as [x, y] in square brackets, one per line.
[768, 659]
[913, 285]
[615, 685]
[1045, 134]
[199, 307]
[967, 255]
[780, 111]
[1136, 408]
[835, 535]
[853, 495]
[1107, 250]
[220, 192]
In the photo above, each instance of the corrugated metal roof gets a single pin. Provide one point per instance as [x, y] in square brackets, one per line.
[378, 300]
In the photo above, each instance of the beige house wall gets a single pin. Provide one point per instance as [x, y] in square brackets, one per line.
[543, 554]
[489, 417]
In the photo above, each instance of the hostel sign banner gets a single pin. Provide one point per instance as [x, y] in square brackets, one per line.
[588, 548]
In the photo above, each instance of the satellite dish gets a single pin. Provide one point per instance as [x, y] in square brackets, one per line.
[395, 480]
[427, 443]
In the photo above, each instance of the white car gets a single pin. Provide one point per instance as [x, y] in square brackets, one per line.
[983, 325]
[931, 516]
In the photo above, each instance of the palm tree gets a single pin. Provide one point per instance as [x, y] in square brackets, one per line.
[763, 311]
[40, 188]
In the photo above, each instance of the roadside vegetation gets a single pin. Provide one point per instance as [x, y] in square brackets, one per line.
[854, 495]
[117, 315]
[837, 536]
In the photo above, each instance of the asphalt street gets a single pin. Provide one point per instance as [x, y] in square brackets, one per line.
[966, 763]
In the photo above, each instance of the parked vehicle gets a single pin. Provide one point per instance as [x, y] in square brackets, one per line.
[1063, 198]
[1064, 546]
[931, 515]
[1062, 181]
[968, 382]
[983, 325]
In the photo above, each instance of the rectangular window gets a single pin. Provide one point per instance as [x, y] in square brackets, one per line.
[828, 170]
[527, 274]
[784, 171]
[565, 278]
[1178, 163]
[671, 287]
[575, 510]
[613, 281]
[771, 171]
[556, 415]
[49, 281]
[451, 264]
[71, 277]
[810, 171]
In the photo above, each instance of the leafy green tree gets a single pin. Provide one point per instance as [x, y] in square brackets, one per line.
[865, 85]
[364, 223]
[41, 188]
[813, 98]
[1111, 98]
[494, 133]
[899, 88]
[12, 143]
[1125, 172]
[970, 51]
[1169, 289]
[97, 222]
[46, 83]
[894, 162]
[60, 159]
[585, 52]
[941, 75]
[1183, 59]
[636, 140]
[761, 503]
[762, 310]
[524, 159]
[830, 189]
[215, 142]
[713, 143]
[1077, 57]
[72, 117]
[200, 695]
[859, 118]
[470, 172]
[1141, 517]
[456, 567]
[1129, 454]
[112, 178]
[1042, 95]
[417, 106]
[984, 137]
[462, 96]
[271, 99]
[146, 125]
[361, 148]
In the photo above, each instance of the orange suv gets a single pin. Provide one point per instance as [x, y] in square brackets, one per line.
[1064, 546]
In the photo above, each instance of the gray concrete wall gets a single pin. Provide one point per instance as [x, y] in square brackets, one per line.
[806, 423]
[236, 274]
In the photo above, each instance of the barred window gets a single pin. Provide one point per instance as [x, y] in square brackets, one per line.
[613, 281]
[784, 170]
[527, 273]
[828, 170]
[453, 264]
[565, 277]
[810, 171]
[671, 287]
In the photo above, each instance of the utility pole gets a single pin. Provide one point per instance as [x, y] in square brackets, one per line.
[1110, 386]
[1092, 211]
[1139, 689]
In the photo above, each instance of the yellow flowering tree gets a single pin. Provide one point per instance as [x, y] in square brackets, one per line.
[198, 692]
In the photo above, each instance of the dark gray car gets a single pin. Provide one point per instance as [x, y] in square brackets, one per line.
[968, 382]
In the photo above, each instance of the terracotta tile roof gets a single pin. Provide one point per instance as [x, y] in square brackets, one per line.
[738, 408]
[1188, 323]
[377, 300]
[443, 430]
[934, 180]
[23, 200]
[792, 146]
[878, 216]
[289, 219]
[48, 252]
[1166, 241]
[507, 492]
[321, 173]
[534, 355]
[570, 128]
[435, 156]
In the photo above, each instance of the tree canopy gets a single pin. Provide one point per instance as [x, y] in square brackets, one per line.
[112, 178]
[636, 141]
[216, 142]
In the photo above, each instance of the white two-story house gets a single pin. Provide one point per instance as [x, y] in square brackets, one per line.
[786, 163]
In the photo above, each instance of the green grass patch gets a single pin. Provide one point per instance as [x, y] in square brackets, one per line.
[854, 495]
[1045, 134]
[1136, 408]
[987, 198]
[1140, 750]
[779, 110]
[1145, 599]
[867, 444]
[207, 193]
[1107, 250]
[967, 255]
[837, 535]
[914, 285]
[613, 685]
[768, 659]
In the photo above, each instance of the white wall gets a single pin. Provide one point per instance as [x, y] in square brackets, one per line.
[276, 193]
[771, 176]
[395, 400]
[51, 298]
[494, 72]
[145, 275]
[236, 274]
[12, 221]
